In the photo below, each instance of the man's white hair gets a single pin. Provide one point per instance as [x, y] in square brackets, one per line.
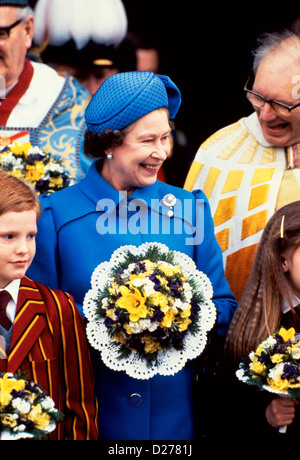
[287, 41]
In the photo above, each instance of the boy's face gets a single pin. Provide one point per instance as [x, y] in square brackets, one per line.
[17, 244]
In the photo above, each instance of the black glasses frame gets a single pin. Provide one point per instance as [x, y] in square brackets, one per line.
[7, 29]
[269, 101]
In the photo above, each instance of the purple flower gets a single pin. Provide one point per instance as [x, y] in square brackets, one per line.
[290, 371]
[156, 281]
[157, 316]
[175, 288]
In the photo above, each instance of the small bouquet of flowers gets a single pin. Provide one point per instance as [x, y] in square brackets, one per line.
[43, 170]
[25, 410]
[275, 365]
[149, 310]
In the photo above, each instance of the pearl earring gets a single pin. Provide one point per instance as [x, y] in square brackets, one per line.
[109, 156]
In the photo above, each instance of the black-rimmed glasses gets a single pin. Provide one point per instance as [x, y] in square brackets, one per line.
[258, 101]
[5, 31]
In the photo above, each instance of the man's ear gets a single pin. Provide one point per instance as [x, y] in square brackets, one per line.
[29, 30]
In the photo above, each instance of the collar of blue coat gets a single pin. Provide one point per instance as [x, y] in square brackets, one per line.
[93, 193]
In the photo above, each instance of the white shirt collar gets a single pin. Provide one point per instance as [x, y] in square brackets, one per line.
[13, 288]
[285, 306]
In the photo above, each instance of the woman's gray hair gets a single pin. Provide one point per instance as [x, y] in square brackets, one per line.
[269, 42]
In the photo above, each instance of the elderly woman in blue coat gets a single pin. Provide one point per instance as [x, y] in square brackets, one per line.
[128, 132]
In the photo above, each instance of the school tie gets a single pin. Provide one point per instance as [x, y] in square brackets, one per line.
[4, 320]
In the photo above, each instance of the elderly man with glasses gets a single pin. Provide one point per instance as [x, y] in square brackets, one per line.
[37, 105]
[251, 168]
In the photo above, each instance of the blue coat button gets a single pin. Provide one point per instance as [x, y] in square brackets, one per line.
[135, 400]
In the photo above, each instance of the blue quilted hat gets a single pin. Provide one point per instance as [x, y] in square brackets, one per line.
[18, 3]
[125, 97]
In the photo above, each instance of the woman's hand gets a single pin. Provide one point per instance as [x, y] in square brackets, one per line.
[281, 412]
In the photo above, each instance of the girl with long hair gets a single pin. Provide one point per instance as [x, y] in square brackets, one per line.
[271, 298]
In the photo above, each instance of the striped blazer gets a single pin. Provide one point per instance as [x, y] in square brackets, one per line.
[48, 343]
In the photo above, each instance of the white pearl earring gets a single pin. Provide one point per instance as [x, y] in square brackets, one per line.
[109, 156]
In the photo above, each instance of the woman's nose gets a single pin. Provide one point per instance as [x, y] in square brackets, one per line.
[160, 151]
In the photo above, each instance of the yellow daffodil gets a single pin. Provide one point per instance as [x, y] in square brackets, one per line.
[35, 172]
[119, 338]
[128, 329]
[168, 319]
[40, 419]
[113, 290]
[151, 345]
[287, 334]
[8, 420]
[184, 325]
[17, 173]
[279, 384]
[110, 314]
[277, 358]
[169, 271]
[6, 387]
[133, 302]
[296, 384]
[56, 182]
[186, 313]
[259, 350]
[258, 367]
[160, 300]
[22, 149]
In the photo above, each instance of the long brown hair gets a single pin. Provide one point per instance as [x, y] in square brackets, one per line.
[260, 309]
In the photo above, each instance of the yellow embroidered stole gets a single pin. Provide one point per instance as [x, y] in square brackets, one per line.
[245, 183]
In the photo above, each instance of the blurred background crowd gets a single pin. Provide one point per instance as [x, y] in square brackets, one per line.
[206, 49]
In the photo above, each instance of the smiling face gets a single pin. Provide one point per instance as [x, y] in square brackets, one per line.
[145, 147]
[275, 80]
[17, 244]
[14, 49]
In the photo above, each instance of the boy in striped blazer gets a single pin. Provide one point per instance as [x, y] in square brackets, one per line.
[42, 333]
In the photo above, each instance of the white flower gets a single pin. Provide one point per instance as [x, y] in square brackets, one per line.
[47, 403]
[50, 427]
[105, 303]
[277, 371]
[296, 352]
[188, 291]
[21, 405]
[53, 167]
[180, 305]
[11, 160]
[20, 428]
[35, 151]
[146, 284]
[143, 325]
[268, 343]
[240, 375]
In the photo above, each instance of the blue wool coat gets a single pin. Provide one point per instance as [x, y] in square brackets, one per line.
[80, 227]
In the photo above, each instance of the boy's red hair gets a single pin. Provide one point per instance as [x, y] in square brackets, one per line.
[17, 196]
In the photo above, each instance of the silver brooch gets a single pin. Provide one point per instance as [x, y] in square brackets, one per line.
[169, 200]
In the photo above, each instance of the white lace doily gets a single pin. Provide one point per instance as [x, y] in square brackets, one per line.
[169, 362]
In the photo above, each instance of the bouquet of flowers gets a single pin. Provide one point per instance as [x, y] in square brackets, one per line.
[275, 365]
[43, 170]
[25, 410]
[149, 310]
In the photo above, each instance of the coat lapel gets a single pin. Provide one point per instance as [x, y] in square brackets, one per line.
[30, 321]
